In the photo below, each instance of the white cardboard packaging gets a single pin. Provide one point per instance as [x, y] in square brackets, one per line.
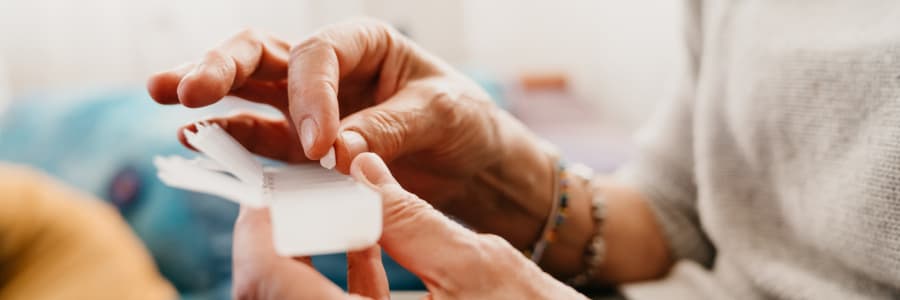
[314, 210]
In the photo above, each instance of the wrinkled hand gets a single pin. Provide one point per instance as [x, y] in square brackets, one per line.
[360, 86]
[363, 87]
[452, 261]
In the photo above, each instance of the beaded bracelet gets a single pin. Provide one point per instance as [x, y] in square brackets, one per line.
[558, 214]
[596, 250]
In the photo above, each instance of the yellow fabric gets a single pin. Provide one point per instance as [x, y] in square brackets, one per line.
[57, 243]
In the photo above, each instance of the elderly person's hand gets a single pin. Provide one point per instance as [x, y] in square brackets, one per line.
[361, 86]
[451, 260]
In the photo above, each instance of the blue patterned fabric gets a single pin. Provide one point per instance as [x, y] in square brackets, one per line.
[103, 142]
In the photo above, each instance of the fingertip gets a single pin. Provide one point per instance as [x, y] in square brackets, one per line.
[163, 87]
[329, 161]
[201, 87]
[309, 133]
[369, 168]
[350, 144]
[316, 137]
[183, 140]
[343, 159]
[357, 164]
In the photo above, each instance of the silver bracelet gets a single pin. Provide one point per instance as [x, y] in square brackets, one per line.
[596, 250]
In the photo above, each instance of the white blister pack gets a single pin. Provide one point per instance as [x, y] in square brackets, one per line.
[314, 210]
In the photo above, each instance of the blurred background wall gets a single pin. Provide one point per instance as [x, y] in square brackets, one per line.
[616, 54]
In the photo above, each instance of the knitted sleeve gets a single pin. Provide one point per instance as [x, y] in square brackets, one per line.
[663, 169]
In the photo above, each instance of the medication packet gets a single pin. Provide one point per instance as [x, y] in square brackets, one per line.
[314, 210]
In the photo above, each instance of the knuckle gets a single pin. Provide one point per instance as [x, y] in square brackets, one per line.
[364, 27]
[403, 205]
[498, 251]
[447, 106]
[218, 60]
[390, 127]
[316, 88]
[328, 86]
[463, 112]
[457, 116]
[316, 41]
[252, 37]
[315, 93]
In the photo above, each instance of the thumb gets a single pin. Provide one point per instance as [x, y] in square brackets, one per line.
[417, 236]
[392, 128]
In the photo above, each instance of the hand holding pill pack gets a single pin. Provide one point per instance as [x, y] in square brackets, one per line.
[314, 210]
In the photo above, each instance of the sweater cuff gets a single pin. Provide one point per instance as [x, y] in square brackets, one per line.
[672, 197]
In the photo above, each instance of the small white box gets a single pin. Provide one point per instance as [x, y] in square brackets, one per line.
[314, 210]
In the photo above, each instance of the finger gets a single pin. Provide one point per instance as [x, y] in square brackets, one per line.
[398, 126]
[244, 56]
[272, 93]
[314, 72]
[259, 273]
[365, 274]
[162, 86]
[271, 138]
[417, 236]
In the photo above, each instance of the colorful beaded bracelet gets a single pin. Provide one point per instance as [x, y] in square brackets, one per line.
[595, 252]
[558, 214]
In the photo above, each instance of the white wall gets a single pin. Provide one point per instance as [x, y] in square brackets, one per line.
[618, 52]
[4, 88]
[87, 42]
[439, 26]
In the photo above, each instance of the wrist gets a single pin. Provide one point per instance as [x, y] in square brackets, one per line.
[526, 173]
[564, 257]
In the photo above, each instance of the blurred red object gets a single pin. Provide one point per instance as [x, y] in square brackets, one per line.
[551, 80]
[560, 116]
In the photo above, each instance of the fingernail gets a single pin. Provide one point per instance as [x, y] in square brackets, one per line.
[181, 84]
[328, 161]
[354, 142]
[308, 132]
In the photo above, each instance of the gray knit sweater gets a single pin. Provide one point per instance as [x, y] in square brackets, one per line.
[775, 171]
